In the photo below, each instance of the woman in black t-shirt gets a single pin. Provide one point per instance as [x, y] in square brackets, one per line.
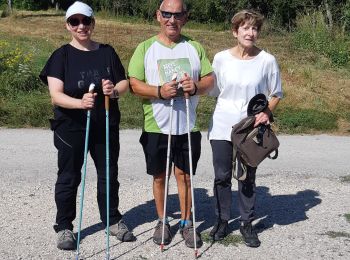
[68, 73]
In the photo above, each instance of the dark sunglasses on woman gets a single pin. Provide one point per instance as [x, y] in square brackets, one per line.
[76, 21]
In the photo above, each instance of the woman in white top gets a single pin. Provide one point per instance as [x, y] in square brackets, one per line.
[241, 72]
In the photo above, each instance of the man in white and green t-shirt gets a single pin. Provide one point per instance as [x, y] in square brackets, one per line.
[151, 69]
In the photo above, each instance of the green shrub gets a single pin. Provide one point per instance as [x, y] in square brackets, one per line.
[339, 54]
[4, 11]
[24, 101]
[31, 4]
[16, 73]
[313, 35]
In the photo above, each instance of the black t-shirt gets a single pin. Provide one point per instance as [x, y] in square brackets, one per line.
[78, 69]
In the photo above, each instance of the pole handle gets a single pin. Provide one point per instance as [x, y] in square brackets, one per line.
[91, 91]
[186, 94]
[107, 103]
[91, 88]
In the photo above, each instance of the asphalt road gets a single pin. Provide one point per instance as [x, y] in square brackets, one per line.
[301, 202]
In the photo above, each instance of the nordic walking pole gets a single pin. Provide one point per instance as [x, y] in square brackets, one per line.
[187, 98]
[107, 173]
[167, 166]
[91, 90]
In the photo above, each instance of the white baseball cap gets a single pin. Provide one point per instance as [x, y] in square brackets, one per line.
[79, 8]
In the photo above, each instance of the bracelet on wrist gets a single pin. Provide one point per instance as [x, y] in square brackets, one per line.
[195, 90]
[159, 94]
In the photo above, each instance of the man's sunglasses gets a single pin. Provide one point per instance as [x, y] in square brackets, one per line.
[76, 21]
[168, 15]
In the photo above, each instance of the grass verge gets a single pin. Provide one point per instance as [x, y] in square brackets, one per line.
[298, 120]
[26, 110]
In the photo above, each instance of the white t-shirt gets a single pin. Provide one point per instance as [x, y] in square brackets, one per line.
[237, 81]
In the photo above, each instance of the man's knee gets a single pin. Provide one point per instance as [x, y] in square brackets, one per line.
[159, 179]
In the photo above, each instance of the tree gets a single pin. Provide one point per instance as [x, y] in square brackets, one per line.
[56, 4]
[328, 15]
[9, 4]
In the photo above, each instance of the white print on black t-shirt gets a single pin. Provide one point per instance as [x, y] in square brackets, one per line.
[88, 77]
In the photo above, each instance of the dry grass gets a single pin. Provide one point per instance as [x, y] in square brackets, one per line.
[308, 80]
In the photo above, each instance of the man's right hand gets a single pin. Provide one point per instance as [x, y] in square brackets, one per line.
[168, 90]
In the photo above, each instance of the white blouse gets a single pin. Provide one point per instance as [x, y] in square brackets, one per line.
[237, 81]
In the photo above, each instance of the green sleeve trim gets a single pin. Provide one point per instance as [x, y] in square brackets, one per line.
[206, 67]
[136, 67]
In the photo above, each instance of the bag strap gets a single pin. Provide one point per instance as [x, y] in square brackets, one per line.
[274, 156]
[234, 166]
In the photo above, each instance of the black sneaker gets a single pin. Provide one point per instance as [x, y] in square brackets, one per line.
[220, 230]
[121, 231]
[157, 235]
[66, 240]
[250, 236]
[187, 233]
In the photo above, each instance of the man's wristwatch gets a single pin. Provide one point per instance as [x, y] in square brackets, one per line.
[195, 90]
[159, 94]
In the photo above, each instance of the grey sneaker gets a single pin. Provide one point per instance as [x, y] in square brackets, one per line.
[66, 240]
[187, 233]
[121, 231]
[157, 235]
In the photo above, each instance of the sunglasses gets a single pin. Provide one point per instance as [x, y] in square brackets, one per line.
[168, 15]
[76, 21]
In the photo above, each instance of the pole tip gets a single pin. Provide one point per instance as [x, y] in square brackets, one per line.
[196, 253]
[161, 247]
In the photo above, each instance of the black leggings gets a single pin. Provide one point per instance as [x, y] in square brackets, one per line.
[70, 145]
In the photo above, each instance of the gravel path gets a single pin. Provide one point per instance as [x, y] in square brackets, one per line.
[301, 202]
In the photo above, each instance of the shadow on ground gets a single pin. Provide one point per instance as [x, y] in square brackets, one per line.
[270, 209]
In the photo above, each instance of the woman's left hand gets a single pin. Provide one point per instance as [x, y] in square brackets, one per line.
[262, 118]
[107, 87]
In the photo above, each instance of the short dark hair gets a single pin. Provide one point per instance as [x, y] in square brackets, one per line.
[250, 16]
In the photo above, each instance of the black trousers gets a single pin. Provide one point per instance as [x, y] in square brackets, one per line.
[70, 142]
[222, 161]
